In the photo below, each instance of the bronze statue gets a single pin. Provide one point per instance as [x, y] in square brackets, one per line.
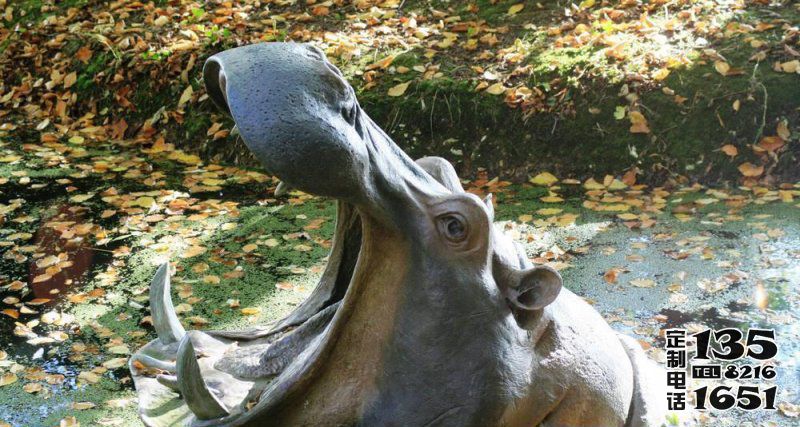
[426, 313]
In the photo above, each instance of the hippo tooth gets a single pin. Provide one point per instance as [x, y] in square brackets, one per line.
[235, 130]
[198, 397]
[166, 322]
[170, 381]
[489, 205]
[152, 362]
[282, 189]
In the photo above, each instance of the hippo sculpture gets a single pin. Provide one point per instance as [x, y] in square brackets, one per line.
[425, 315]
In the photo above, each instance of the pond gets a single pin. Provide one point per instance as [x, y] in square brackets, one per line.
[84, 227]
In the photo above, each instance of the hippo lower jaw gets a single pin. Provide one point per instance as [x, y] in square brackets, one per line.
[231, 377]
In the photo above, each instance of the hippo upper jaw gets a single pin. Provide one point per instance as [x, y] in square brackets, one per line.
[300, 118]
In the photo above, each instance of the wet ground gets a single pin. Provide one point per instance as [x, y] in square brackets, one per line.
[84, 226]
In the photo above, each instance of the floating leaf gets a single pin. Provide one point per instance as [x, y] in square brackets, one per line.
[551, 199]
[251, 311]
[549, 211]
[643, 283]
[8, 378]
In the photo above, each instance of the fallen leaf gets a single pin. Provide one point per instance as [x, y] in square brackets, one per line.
[730, 150]
[771, 143]
[185, 96]
[750, 170]
[70, 80]
[496, 89]
[398, 90]
[544, 178]
[722, 67]
[515, 9]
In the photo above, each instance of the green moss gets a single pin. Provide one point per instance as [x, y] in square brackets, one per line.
[17, 404]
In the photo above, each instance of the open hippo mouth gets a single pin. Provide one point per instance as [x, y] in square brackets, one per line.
[413, 257]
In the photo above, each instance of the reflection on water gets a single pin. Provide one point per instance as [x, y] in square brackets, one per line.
[62, 258]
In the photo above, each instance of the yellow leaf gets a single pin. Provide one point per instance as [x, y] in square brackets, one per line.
[70, 80]
[730, 150]
[398, 90]
[8, 378]
[643, 283]
[638, 122]
[585, 4]
[9, 159]
[249, 248]
[193, 251]
[661, 74]
[515, 9]
[211, 280]
[591, 184]
[115, 363]
[544, 178]
[551, 199]
[185, 96]
[791, 66]
[89, 377]
[80, 198]
[783, 130]
[616, 207]
[145, 202]
[627, 216]
[549, 211]
[525, 218]
[496, 89]
[80, 406]
[722, 67]
[750, 170]
[32, 387]
[251, 311]
[616, 185]
[771, 143]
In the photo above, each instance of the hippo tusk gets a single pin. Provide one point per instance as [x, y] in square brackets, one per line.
[198, 397]
[166, 322]
[282, 189]
[235, 130]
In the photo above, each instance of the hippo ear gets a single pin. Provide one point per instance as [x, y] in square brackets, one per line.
[534, 288]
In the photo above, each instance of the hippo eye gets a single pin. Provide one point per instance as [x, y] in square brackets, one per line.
[453, 227]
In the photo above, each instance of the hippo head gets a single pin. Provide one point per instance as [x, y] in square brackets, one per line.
[423, 311]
